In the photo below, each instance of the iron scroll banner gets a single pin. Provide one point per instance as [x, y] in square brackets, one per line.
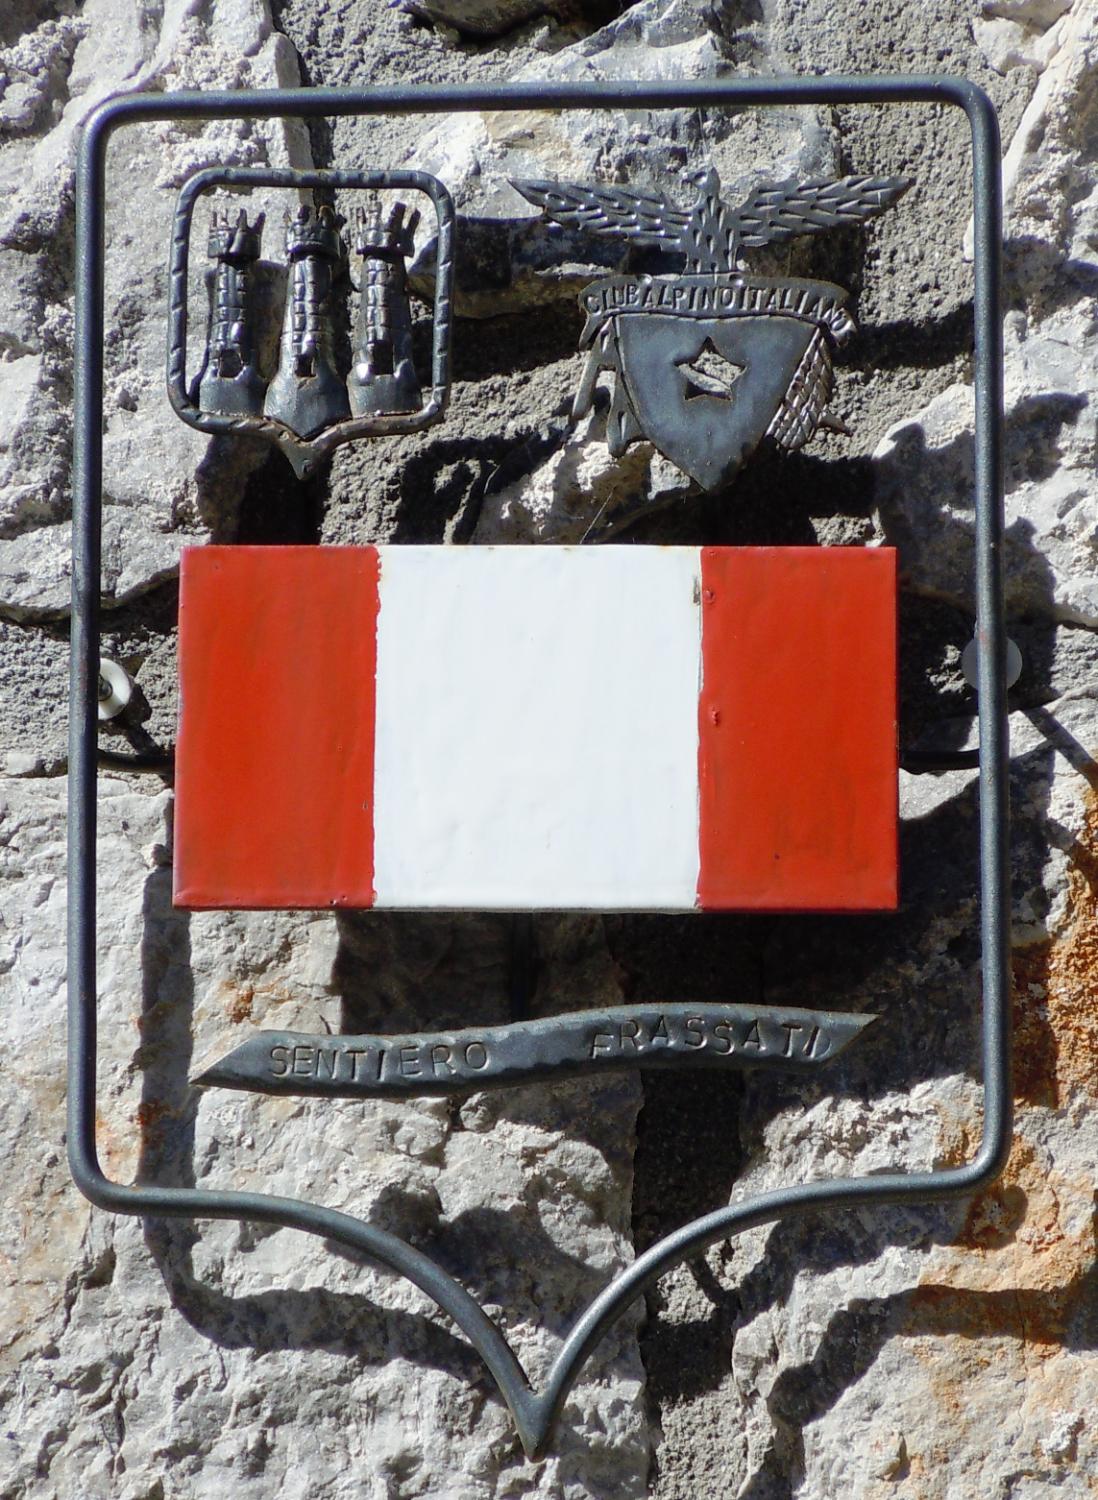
[565, 1046]
[702, 342]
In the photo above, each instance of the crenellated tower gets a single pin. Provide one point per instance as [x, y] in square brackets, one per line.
[307, 394]
[229, 381]
[383, 377]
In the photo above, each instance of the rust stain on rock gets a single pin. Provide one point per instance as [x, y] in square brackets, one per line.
[1056, 989]
[1007, 1295]
[149, 1113]
[117, 1148]
[239, 1002]
[1022, 1268]
[1035, 1047]
[251, 1001]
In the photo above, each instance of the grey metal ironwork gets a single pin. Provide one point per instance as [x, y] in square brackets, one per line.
[306, 395]
[709, 234]
[677, 345]
[303, 451]
[229, 381]
[696, 1035]
[383, 376]
[536, 1412]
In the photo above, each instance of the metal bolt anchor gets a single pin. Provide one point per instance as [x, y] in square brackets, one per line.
[115, 689]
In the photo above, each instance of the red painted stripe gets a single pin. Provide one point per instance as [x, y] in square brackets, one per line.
[797, 744]
[275, 755]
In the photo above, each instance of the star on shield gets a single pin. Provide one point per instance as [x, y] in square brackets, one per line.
[666, 365]
[710, 373]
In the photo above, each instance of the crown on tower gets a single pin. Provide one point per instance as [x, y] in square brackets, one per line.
[313, 232]
[235, 239]
[375, 235]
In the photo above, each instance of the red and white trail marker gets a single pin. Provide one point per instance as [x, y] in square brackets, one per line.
[522, 728]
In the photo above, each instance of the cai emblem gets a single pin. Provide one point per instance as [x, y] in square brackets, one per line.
[709, 363]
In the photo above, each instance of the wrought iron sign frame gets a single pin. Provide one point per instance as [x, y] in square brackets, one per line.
[535, 1412]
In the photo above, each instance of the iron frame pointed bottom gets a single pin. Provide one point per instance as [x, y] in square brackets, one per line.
[536, 1412]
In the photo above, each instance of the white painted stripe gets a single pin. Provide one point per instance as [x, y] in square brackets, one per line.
[537, 728]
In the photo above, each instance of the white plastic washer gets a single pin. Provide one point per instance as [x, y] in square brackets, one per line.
[969, 663]
[115, 689]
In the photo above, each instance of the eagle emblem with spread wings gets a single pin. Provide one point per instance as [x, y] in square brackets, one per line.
[711, 361]
[711, 234]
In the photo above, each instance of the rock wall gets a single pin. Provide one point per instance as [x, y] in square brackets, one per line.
[923, 1353]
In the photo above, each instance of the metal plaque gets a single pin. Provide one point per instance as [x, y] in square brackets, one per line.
[309, 407]
[708, 364]
[569, 1046]
[392, 767]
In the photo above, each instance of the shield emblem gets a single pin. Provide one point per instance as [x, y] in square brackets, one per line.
[705, 390]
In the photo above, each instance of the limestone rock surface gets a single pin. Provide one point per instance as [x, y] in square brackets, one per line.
[209, 1354]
